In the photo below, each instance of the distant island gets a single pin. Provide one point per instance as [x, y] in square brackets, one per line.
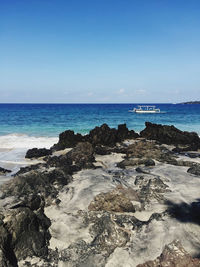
[191, 102]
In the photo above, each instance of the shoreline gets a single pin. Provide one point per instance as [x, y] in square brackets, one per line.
[97, 197]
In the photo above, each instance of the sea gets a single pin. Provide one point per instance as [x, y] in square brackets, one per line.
[24, 126]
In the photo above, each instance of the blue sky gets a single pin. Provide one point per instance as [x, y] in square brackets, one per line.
[96, 51]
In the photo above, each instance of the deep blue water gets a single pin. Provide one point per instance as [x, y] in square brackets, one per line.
[51, 119]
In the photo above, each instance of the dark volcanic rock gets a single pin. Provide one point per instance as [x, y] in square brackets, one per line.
[135, 162]
[118, 200]
[28, 231]
[7, 256]
[145, 150]
[33, 167]
[150, 188]
[37, 153]
[173, 255]
[106, 235]
[180, 149]
[195, 170]
[102, 150]
[68, 139]
[103, 135]
[4, 171]
[170, 135]
[63, 162]
[45, 183]
[82, 155]
[123, 133]
[149, 162]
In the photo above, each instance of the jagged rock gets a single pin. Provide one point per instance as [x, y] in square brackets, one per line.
[123, 133]
[180, 149]
[150, 188]
[173, 255]
[63, 162]
[141, 170]
[45, 183]
[135, 162]
[28, 231]
[4, 171]
[149, 162]
[106, 235]
[107, 231]
[34, 167]
[68, 139]
[102, 150]
[82, 155]
[129, 162]
[147, 150]
[144, 151]
[170, 135]
[32, 201]
[195, 169]
[103, 135]
[37, 153]
[118, 200]
[7, 256]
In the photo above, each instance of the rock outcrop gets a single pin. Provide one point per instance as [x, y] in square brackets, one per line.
[195, 169]
[170, 135]
[68, 139]
[173, 255]
[103, 135]
[118, 200]
[37, 153]
[102, 198]
[4, 171]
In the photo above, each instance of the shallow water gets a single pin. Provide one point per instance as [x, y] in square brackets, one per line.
[24, 126]
[51, 119]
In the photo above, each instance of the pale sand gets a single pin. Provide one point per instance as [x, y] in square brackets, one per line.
[67, 226]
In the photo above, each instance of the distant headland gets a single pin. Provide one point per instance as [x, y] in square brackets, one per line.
[191, 102]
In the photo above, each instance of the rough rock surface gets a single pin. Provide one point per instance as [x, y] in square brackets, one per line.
[170, 135]
[118, 200]
[103, 135]
[24, 230]
[195, 169]
[106, 136]
[173, 255]
[68, 139]
[28, 230]
[79, 209]
[36, 182]
[37, 153]
[4, 171]
[82, 155]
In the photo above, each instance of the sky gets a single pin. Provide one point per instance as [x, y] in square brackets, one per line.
[99, 51]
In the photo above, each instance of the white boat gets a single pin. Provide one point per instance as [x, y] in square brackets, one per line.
[146, 109]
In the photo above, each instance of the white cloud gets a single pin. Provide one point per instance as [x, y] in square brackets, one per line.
[121, 91]
[90, 94]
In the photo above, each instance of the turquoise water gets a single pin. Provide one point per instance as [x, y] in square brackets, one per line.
[51, 119]
[24, 126]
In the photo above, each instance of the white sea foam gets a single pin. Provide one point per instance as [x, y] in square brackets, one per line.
[12, 141]
[13, 148]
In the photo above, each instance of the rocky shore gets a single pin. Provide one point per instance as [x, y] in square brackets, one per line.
[112, 197]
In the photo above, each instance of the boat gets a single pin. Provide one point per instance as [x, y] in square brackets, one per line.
[146, 109]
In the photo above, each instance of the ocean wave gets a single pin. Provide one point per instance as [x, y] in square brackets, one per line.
[23, 141]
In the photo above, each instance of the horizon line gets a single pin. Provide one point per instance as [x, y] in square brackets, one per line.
[85, 103]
